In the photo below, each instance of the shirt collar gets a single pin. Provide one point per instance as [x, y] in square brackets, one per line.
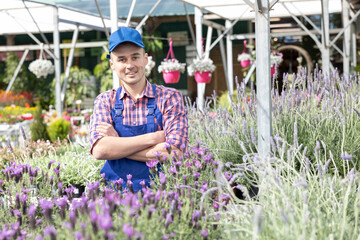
[148, 91]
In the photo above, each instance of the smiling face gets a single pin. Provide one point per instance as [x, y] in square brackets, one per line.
[128, 61]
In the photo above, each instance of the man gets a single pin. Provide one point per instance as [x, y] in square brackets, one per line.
[132, 124]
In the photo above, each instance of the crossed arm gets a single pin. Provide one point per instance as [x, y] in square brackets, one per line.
[140, 148]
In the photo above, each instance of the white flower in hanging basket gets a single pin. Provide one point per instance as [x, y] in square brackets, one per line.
[41, 68]
[244, 56]
[149, 66]
[276, 59]
[171, 65]
[201, 65]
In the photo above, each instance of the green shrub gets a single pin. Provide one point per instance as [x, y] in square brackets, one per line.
[58, 129]
[38, 128]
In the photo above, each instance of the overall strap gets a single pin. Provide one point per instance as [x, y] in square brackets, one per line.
[151, 106]
[118, 109]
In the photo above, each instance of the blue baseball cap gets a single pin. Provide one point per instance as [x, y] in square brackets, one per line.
[124, 34]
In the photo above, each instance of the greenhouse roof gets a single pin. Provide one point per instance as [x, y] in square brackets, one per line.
[233, 9]
[142, 7]
[33, 17]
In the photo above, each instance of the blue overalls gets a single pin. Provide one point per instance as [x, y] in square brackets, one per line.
[115, 169]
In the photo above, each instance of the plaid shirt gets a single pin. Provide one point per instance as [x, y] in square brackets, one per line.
[168, 100]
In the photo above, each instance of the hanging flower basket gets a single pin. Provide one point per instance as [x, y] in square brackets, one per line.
[244, 58]
[149, 66]
[171, 76]
[245, 63]
[202, 70]
[275, 60]
[171, 68]
[41, 68]
[203, 77]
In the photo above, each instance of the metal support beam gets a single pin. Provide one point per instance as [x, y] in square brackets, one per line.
[139, 26]
[273, 2]
[263, 78]
[114, 27]
[248, 2]
[17, 70]
[69, 63]
[313, 36]
[223, 59]
[214, 25]
[208, 41]
[190, 25]
[347, 35]
[229, 55]
[344, 28]
[102, 20]
[199, 49]
[131, 10]
[325, 52]
[57, 63]
[251, 70]
[227, 29]
[353, 47]
[31, 36]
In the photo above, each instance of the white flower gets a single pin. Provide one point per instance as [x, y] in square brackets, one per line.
[171, 65]
[275, 59]
[149, 66]
[41, 68]
[201, 65]
[244, 56]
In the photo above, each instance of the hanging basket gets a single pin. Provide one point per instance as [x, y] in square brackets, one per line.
[171, 76]
[171, 67]
[245, 63]
[272, 71]
[202, 77]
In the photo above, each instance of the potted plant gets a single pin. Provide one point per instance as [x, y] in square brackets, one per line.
[171, 69]
[202, 69]
[244, 58]
[149, 66]
[275, 60]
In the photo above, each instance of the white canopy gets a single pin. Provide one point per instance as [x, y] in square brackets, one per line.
[21, 17]
[232, 9]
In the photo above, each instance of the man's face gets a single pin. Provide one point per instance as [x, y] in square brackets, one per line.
[128, 61]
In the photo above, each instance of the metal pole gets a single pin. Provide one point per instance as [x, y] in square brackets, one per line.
[199, 50]
[353, 48]
[114, 27]
[263, 79]
[223, 58]
[17, 70]
[229, 55]
[57, 63]
[130, 13]
[325, 53]
[148, 15]
[208, 42]
[69, 62]
[346, 41]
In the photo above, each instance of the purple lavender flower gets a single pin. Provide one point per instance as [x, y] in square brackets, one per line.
[129, 176]
[162, 178]
[31, 210]
[168, 220]
[105, 221]
[50, 163]
[152, 163]
[204, 187]
[128, 230]
[197, 164]
[45, 204]
[195, 215]
[196, 175]
[228, 175]
[172, 170]
[204, 233]
[345, 156]
[142, 183]
[50, 230]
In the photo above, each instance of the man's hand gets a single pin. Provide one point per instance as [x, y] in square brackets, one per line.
[106, 130]
[158, 137]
